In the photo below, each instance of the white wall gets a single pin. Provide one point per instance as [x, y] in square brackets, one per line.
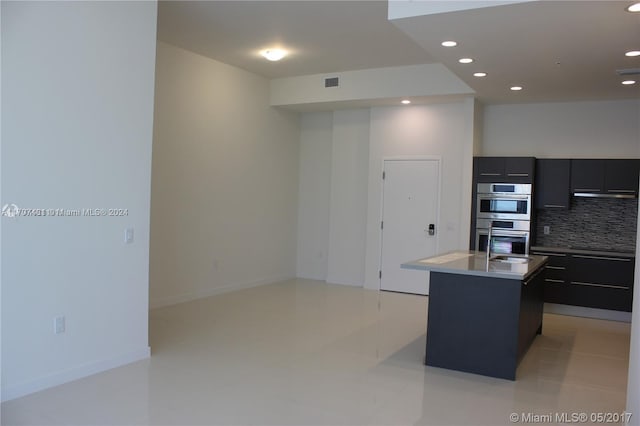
[314, 195]
[1, 198]
[77, 117]
[439, 130]
[375, 83]
[408, 8]
[360, 140]
[348, 206]
[606, 129]
[332, 208]
[224, 183]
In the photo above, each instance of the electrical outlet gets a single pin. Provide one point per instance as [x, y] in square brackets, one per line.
[547, 230]
[59, 325]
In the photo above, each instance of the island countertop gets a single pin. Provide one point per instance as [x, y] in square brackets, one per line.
[475, 263]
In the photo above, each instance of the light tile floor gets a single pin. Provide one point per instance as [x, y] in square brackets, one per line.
[303, 352]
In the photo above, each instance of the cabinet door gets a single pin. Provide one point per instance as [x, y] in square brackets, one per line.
[556, 279]
[531, 310]
[601, 282]
[490, 169]
[621, 176]
[587, 176]
[552, 184]
[520, 169]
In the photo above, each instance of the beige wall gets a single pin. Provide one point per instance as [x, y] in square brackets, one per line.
[353, 144]
[224, 181]
[597, 129]
[76, 134]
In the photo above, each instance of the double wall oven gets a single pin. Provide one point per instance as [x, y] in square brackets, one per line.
[506, 209]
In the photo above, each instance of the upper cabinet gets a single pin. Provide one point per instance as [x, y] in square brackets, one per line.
[605, 177]
[504, 169]
[621, 176]
[587, 176]
[552, 184]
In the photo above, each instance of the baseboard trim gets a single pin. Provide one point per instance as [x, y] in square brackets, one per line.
[188, 297]
[75, 373]
[581, 311]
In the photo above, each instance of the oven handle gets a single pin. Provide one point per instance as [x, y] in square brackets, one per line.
[496, 232]
[499, 196]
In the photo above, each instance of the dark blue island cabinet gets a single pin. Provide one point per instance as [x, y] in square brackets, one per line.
[483, 324]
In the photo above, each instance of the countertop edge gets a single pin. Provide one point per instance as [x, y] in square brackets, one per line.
[569, 250]
[421, 267]
[451, 269]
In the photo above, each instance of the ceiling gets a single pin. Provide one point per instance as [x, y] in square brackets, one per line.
[555, 50]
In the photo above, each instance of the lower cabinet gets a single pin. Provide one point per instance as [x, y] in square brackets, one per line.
[556, 288]
[604, 282]
[531, 310]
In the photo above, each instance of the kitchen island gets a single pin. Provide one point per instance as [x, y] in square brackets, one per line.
[482, 315]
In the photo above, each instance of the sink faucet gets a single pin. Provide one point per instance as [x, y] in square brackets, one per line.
[489, 243]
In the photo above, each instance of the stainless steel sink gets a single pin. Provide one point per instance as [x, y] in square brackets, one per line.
[511, 259]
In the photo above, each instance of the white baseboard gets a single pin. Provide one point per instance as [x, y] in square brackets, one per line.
[88, 369]
[345, 283]
[188, 297]
[581, 311]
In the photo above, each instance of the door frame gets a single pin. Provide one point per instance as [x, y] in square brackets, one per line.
[437, 158]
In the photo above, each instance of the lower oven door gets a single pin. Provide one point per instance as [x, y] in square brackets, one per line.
[506, 242]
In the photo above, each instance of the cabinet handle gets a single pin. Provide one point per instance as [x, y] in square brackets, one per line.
[518, 174]
[549, 254]
[562, 268]
[549, 280]
[555, 206]
[586, 190]
[602, 258]
[490, 174]
[628, 191]
[620, 287]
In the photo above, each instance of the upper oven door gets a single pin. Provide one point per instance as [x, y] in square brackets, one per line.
[493, 206]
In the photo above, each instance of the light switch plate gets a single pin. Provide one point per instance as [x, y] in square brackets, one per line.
[128, 235]
[59, 325]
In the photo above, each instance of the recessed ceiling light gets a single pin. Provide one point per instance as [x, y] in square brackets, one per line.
[629, 82]
[516, 88]
[633, 53]
[406, 101]
[274, 54]
[634, 8]
[465, 60]
[449, 43]
[479, 74]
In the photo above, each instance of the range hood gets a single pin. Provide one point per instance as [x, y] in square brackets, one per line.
[595, 193]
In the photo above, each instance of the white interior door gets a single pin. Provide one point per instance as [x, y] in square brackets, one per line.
[410, 206]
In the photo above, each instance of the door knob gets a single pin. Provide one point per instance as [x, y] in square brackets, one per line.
[432, 229]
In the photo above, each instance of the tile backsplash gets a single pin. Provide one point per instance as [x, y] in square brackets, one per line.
[592, 223]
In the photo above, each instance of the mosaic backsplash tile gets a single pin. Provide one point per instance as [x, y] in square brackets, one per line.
[591, 223]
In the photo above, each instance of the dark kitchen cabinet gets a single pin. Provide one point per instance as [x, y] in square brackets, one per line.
[608, 177]
[553, 178]
[601, 282]
[531, 310]
[587, 176]
[604, 282]
[621, 176]
[556, 279]
[504, 169]
[488, 169]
